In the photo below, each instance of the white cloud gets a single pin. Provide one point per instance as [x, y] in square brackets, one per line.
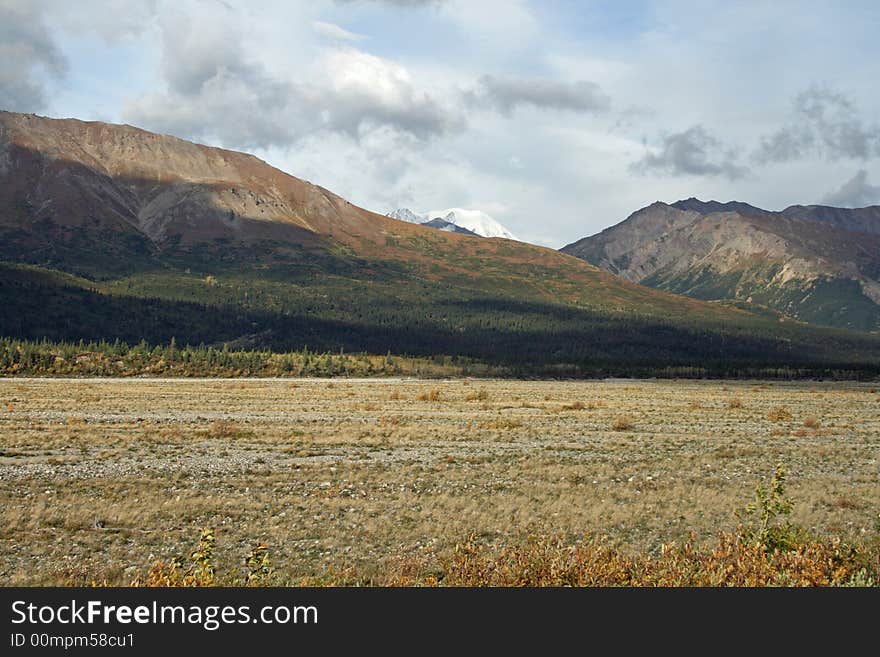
[218, 89]
[335, 33]
[406, 4]
[366, 91]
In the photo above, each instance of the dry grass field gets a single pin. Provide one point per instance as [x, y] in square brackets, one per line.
[100, 478]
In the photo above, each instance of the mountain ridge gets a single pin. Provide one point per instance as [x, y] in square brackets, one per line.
[796, 260]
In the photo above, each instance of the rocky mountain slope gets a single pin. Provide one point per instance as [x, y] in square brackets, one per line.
[814, 263]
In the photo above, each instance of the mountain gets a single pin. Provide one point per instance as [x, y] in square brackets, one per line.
[449, 227]
[112, 232]
[474, 222]
[814, 263]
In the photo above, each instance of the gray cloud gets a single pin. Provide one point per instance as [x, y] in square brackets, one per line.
[27, 56]
[693, 152]
[193, 55]
[259, 112]
[238, 111]
[506, 94]
[855, 193]
[825, 124]
[354, 113]
[215, 91]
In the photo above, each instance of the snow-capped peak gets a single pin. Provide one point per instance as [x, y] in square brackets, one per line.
[475, 221]
[405, 214]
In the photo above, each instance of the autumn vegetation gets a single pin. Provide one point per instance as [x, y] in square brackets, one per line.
[194, 481]
[767, 550]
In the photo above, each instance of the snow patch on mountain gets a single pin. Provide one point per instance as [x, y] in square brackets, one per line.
[405, 214]
[475, 221]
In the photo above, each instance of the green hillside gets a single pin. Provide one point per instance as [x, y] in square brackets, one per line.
[330, 313]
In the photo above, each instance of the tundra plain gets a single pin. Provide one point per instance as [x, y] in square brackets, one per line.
[100, 478]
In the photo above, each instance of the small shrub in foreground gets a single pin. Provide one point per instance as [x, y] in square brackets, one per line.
[432, 395]
[199, 572]
[767, 524]
[480, 395]
[779, 414]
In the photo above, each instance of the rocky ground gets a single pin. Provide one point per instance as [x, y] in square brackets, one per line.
[100, 478]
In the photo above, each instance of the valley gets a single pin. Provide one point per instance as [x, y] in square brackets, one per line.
[100, 478]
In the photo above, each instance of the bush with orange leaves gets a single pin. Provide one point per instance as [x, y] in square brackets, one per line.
[551, 561]
[548, 561]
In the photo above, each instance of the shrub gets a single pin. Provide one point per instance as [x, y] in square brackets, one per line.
[480, 395]
[812, 423]
[735, 403]
[622, 423]
[222, 429]
[501, 424]
[432, 395]
[258, 567]
[550, 561]
[766, 518]
[200, 571]
[778, 414]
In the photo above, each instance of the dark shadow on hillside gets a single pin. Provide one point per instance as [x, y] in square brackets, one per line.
[38, 309]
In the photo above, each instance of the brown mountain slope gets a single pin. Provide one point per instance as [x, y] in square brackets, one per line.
[71, 191]
[815, 263]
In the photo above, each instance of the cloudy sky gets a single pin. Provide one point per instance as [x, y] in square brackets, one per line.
[558, 117]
